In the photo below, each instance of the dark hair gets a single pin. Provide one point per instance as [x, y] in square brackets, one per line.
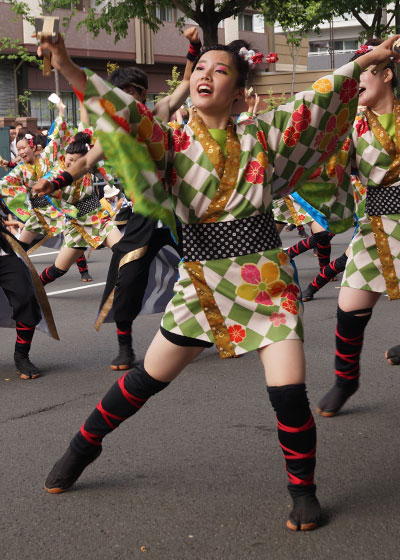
[41, 140]
[21, 136]
[83, 137]
[124, 78]
[390, 64]
[242, 66]
[78, 147]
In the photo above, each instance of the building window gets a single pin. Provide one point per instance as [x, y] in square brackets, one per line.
[246, 22]
[164, 13]
[339, 45]
[46, 112]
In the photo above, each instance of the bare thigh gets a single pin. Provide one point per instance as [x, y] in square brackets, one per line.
[27, 236]
[284, 363]
[164, 360]
[113, 237]
[67, 257]
[351, 299]
[316, 227]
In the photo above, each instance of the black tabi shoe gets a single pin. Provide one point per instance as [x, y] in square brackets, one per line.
[334, 399]
[125, 359]
[308, 294]
[393, 355]
[85, 277]
[306, 512]
[68, 469]
[290, 227]
[25, 368]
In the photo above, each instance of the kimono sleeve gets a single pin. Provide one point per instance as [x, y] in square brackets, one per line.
[14, 193]
[306, 131]
[135, 144]
[57, 145]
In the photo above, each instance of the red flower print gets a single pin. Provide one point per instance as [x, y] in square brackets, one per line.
[20, 211]
[63, 125]
[291, 292]
[181, 140]
[121, 122]
[296, 177]
[277, 319]
[332, 144]
[349, 90]
[157, 135]
[346, 145]
[316, 173]
[340, 173]
[254, 173]
[291, 136]
[290, 306]
[143, 110]
[301, 118]
[11, 192]
[86, 181]
[53, 229]
[318, 138]
[261, 138]
[97, 238]
[331, 124]
[301, 217]
[237, 333]
[362, 127]
[95, 219]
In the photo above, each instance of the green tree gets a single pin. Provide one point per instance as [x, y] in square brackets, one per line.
[173, 82]
[114, 17]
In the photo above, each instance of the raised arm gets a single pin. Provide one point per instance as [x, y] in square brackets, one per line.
[167, 106]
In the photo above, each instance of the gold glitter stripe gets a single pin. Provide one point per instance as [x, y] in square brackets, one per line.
[107, 305]
[107, 206]
[211, 310]
[227, 169]
[39, 289]
[43, 222]
[88, 238]
[38, 244]
[209, 145]
[380, 133]
[385, 256]
[293, 213]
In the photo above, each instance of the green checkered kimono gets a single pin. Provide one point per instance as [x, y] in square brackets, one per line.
[289, 211]
[48, 220]
[255, 297]
[91, 229]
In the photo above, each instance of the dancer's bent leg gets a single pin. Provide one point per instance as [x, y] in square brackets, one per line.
[351, 324]
[285, 374]
[82, 265]
[163, 362]
[330, 271]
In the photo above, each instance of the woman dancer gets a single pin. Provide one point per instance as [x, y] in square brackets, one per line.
[373, 262]
[45, 219]
[92, 226]
[241, 302]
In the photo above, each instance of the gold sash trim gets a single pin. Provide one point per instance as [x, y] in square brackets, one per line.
[385, 256]
[293, 213]
[107, 206]
[39, 289]
[43, 223]
[211, 310]
[88, 238]
[227, 169]
[384, 138]
[107, 305]
[38, 244]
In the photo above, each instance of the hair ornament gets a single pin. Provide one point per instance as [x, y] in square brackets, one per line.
[29, 137]
[88, 131]
[364, 49]
[271, 58]
[251, 57]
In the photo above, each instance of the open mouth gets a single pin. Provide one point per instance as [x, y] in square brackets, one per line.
[204, 90]
[361, 90]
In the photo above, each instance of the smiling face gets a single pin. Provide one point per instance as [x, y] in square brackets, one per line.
[374, 87]
[213, 83]
[25, 151]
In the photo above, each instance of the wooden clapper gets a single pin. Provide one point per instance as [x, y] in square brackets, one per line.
[47, 27]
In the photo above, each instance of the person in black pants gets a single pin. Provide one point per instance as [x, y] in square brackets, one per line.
[16, 282]
[141, 242]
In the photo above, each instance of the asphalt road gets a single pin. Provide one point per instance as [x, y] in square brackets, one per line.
[198, 474]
